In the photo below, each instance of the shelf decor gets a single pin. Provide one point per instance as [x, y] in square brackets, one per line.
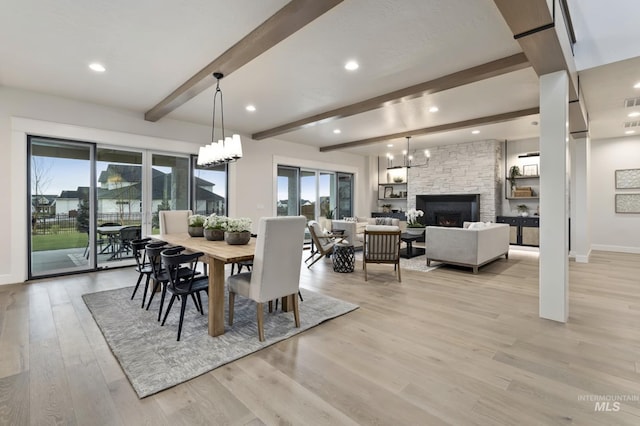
[628, 179]
[627, 203]
[530, 170]
[388, 191]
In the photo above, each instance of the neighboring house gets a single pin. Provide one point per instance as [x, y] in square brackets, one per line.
[43, 204]
[120, 192]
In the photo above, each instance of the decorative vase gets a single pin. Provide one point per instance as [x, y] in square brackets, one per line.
[214, 234]
[196, 231]
[415, 231]
[237, 238]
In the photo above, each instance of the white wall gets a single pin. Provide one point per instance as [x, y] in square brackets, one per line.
[610, 230]
[251, 181]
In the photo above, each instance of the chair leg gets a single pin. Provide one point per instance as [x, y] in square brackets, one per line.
[399, 279]
[136, 287]
[271, 306]
[182, 309]
[153, 292]
[166, 314]
[364, 266]
[232, 300]
[200, 303]
[260, 315]
[300, 296]
[296, 312]
[146, 288]
[162, 296]
[317, 258]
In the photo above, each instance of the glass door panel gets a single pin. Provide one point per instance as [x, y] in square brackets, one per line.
[169, 186]
[308, 194]
[209, 189]
[119, 204]
[327, 191]
[288, 194]
[60, 206]
[345, 195]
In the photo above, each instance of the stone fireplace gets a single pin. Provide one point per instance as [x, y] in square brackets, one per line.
[448, 209]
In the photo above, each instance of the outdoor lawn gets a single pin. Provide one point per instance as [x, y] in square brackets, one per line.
[58, 241]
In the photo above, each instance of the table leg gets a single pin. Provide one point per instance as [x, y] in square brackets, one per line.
[409, 249]
[216, 297]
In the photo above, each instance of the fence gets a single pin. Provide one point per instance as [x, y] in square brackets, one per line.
[67, 224]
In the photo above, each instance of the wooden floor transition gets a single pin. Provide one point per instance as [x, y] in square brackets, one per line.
[443, 347]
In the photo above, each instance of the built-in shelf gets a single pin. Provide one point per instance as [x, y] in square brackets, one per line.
[523, 198]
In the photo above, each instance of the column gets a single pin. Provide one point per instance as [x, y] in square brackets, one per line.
[554, 240]
[580, 201]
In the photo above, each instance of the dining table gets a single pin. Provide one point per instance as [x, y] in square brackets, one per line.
[112, 232]
[216, 255]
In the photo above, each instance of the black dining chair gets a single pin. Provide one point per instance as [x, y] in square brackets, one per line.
[143, 266]
[183, 285]
[159, 273]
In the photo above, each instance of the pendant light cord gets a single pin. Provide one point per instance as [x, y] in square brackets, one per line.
[213, 124]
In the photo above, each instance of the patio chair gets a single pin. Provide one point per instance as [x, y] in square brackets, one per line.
[125, 237]
[322, 244]
[381, 245]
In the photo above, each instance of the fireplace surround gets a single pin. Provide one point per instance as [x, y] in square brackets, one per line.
[448, 209]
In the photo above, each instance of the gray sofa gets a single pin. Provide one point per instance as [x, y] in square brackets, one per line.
[467, 247]
[354, 231]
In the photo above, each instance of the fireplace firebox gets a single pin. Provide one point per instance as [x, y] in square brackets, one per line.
[448, 209]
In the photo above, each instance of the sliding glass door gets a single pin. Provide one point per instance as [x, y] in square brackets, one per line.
[169, 186]
[61, 205]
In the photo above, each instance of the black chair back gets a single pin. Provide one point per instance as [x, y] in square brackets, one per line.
[173, 261]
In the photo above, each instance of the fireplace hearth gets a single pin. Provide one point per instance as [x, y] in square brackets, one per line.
[448, 209]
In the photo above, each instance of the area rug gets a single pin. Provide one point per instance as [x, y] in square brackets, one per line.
[153, 360]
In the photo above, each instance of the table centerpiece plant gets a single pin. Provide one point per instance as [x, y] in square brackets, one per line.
[214, 227]
[413, 226]
[237, 230]
[196, 225]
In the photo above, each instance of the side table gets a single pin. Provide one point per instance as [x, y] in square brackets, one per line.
[344, 257]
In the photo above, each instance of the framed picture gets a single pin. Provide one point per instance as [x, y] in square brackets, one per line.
[628, 179]
[627, 203]
[530, 170]
[388, 191]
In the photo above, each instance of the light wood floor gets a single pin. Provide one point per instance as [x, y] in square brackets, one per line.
[444, 347]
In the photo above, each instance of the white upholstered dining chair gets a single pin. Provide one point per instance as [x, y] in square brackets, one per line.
[174, 221]
[276, 267]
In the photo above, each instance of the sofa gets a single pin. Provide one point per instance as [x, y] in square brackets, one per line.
[474, 245]
[354, 230]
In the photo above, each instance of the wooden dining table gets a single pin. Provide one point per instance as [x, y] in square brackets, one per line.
[217, 254]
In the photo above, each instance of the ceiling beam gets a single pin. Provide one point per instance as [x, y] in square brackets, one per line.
[491, 119]
[292, 17]
[471, 75]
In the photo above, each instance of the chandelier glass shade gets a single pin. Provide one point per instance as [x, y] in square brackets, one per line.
[227, 149]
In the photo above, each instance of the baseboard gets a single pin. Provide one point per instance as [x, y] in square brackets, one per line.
[580, 258]
[619, 249]
[8, 279]
[524, 248]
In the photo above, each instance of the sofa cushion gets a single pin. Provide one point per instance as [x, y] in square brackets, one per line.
[476, 225]
[384, 221]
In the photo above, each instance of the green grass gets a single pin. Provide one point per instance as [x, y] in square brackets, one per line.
[58, 241]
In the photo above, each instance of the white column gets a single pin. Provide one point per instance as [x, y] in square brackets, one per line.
[554, 240]
[580, 201]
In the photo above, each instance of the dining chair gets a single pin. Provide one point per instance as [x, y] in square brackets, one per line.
[381, 245]
[322, 243]
[276, 267]
[174, 221]
[143, 267]
[159, 273]
[183, 285]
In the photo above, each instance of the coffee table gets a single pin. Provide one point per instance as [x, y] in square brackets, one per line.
[410, 251]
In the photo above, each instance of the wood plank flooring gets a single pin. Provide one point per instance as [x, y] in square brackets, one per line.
[443, 347]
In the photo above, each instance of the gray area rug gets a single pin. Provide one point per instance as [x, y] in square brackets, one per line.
[153, 360]
[417, 263]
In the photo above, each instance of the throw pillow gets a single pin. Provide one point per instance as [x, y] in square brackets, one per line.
[350, 219]
[383, 221]
[477, 225]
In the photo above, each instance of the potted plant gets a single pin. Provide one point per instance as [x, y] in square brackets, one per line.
[237, 230]
[413, 226]
[523, 210]
[514, 172]
[214, 227]
[196, 225]
[386, 208]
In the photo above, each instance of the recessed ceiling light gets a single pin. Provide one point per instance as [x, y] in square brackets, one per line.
[475, 132]
[389, 145]
[637, 85]
[97, 67]
[629, 132]
[634, 114]
[337, 131]
[351, 66]
[434, 109]
[250, 108]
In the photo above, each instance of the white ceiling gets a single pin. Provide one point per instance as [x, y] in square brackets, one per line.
[151, 47]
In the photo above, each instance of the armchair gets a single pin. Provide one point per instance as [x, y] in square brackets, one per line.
[322, 244]
[381, 245]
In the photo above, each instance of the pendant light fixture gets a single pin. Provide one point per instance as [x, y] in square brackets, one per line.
[408, 158]
[228, 149]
